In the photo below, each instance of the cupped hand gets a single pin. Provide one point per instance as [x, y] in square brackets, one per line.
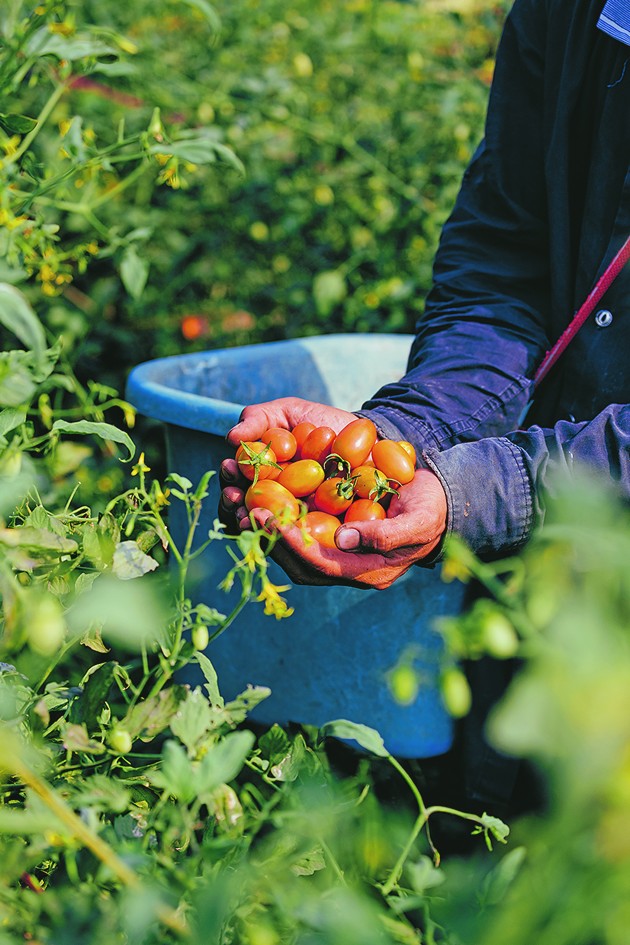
[284, 412]
[369, 554]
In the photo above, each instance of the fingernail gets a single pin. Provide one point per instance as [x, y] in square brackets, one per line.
[348, 539]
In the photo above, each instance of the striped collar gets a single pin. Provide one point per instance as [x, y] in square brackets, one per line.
[615, 20]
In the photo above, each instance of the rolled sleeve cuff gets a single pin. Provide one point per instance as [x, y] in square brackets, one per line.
[489, 494]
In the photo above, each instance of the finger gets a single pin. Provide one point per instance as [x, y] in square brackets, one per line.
[231, 497]
[255, 419]
[383, 536]
[229, 471]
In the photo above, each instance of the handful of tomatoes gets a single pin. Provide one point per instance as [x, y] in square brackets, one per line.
[319, 478]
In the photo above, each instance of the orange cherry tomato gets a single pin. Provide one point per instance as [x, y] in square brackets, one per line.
[355, 441]
[256, 460]
[408, 448]
[334, 495]
[300, 431]
[269, 494]
[282, 442]
[393, 461]
[317, 444]
[301, 477]
[369, 482]
[322, 527]
[365, 510]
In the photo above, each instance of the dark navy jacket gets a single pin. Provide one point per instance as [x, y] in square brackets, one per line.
[543, 207]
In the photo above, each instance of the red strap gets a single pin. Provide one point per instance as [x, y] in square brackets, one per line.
[600, 289]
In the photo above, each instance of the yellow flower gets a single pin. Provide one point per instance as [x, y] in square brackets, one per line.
[275, 605]
[141, 467]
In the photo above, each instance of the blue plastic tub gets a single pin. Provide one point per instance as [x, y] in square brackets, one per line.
[330, 659]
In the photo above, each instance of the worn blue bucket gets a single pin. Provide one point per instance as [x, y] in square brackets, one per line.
[330, 659]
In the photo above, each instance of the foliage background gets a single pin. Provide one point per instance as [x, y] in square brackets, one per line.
[353, 122]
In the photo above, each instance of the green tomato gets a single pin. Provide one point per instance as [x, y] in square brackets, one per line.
[46, 626]
[455, 691]
[120, 740]
[200, 637]
[499, 636]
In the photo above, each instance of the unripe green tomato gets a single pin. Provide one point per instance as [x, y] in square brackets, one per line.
[200, 637]
[456, 693]
[499, 636]
[404, 683]
[46, 626]
[120, 740]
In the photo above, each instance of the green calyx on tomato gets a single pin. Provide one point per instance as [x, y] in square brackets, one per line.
[334, 495]
[256, 460]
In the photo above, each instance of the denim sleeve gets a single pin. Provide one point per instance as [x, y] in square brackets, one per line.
[496, 487]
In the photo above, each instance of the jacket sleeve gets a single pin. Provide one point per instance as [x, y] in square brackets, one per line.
[483, 330]
[496, 487]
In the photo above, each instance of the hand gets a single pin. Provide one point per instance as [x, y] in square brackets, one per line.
[370, 554]
[284, 412]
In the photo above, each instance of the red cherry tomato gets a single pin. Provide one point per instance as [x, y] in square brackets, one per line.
[390, 457]
[322, 527]
[282, 442]
[317, 444]
[355, 441]
[365, 510]
[301, 477]
[300, 431]
[273, 496]
[334, 495]
[256, 460]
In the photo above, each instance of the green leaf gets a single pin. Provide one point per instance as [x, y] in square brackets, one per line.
[11, 418]
[130, 614]
[16, 124]
[224, 760]
[366, 737]
[192, 721]
[152, 716]
[130, 562]
[79, 46]
[212, 684]
[37, 539]
[106, 431]
[18, 316]
[134, 272]
[202, 149]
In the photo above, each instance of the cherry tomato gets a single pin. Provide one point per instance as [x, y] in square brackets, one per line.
[318, 443]
[273, 496]
[301, 477]
[370, 482]
[256, 460]
[322, 527]
[334, 495]
[355, 441]
[300, 431]
[365, 510]
[408, 448]
[282, 442]
[393, 461]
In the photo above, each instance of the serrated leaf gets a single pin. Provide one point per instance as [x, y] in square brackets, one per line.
[310, 863]
[212, 683]
[152, 716]
[192, 720]
[76, 738]
[223, 761]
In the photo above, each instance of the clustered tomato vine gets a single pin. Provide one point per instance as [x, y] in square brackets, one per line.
[318, 478]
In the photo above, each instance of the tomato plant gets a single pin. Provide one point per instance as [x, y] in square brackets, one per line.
[394, 461]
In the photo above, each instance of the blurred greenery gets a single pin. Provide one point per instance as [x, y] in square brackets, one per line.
[174, 175]
[353, 123]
